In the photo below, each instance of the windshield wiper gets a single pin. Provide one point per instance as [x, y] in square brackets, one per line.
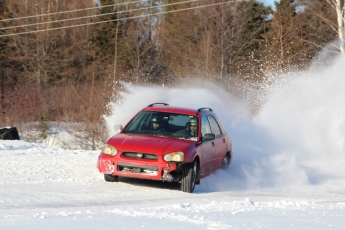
[139, 131]
[150, 132]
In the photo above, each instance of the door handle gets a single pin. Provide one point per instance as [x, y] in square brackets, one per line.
[213, 143]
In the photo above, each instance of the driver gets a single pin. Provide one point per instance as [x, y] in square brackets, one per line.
[157, 124]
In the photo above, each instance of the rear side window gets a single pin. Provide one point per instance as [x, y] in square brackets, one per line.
[214, 125]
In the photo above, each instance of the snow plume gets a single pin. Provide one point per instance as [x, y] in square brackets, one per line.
[296, 140]
[195, 95]
[305, 118]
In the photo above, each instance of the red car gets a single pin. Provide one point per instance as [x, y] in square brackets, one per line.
[167, 143]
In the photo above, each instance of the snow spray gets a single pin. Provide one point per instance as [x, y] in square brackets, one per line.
[296, 139]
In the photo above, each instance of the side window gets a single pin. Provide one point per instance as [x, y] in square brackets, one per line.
[214, 126]
[205, 126]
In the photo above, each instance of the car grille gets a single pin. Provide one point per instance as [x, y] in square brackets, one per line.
[138, 155]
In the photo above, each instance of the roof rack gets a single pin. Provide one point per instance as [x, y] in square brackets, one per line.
[158, 103]
[205, 108]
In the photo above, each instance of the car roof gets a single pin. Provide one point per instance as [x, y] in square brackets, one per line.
[163, 107]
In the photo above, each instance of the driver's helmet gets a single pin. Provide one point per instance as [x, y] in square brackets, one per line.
[156, 123]
[191, 121]
[157, 120]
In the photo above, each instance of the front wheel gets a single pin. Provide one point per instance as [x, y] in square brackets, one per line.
[189, 177]
[110, 178]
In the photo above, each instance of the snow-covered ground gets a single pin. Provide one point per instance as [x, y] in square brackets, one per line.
[44, 188]
[288, 170]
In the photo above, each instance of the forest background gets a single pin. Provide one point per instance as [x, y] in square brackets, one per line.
[65, 61]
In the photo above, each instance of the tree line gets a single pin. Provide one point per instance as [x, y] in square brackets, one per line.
[65, 61]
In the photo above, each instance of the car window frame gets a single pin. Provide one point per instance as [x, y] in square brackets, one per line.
[214, 125]
[204, 117]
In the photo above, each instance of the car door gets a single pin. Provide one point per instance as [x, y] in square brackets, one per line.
[208, 148]
[220, 142]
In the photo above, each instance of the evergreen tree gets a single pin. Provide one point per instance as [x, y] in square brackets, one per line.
[106, 32]
[298, 31]
[317, 26]
[2, 16]
[283, 35]
[3, 46]
[127, 43]
[251, 41]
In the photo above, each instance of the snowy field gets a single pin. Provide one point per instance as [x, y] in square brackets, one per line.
[288, 170]
[44, 188]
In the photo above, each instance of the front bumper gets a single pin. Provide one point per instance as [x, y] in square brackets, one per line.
[144, 169]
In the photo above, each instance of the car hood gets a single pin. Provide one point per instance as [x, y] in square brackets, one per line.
[148, 144]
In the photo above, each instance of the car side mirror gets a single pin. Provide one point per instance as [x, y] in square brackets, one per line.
[209, 137]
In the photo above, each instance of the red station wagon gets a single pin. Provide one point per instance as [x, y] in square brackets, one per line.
[167, 143]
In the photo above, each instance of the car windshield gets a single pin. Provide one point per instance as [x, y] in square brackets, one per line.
[164, 124]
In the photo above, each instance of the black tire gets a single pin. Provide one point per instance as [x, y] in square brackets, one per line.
[189, 173]
[110, 178]
[226, 162]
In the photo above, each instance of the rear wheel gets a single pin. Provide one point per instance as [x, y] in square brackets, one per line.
[226, 162]
[110, 178]
[189, 173]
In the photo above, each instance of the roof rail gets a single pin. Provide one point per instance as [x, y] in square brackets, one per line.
[158, 103]
[205, 108]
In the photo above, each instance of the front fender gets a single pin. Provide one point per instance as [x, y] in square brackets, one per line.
[191, 153]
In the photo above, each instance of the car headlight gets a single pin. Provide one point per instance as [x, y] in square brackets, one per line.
[174, 156]
[109, 150]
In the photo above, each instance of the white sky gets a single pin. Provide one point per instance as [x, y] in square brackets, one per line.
[268, 2]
